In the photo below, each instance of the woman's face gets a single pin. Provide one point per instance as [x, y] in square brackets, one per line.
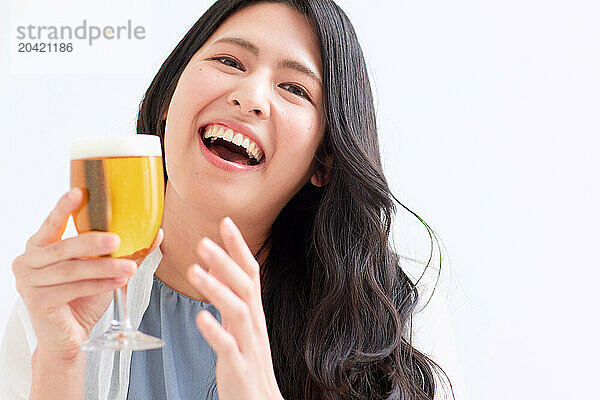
[259, 74]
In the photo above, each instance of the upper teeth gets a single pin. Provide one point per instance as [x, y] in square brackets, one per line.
[218, 131]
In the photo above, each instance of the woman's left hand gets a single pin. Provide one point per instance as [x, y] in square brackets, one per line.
[231, 282]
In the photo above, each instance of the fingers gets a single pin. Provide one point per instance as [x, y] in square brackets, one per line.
[221, 265]
[157, 241]
[238, 249]
[54, 225]
[58, 295]
[237, 269]
[91, 244]
[79, 270]
[231, 306]
[217, 337]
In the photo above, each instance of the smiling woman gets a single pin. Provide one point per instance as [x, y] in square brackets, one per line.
[266, 118]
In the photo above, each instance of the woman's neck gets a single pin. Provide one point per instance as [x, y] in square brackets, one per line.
[184, 226]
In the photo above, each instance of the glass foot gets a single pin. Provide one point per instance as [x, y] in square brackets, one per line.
[115, 340]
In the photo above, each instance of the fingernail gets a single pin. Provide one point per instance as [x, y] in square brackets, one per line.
[120, 280]
[209, 244]
[111, 240]
[198, 271]
[71, 194]
[128, 266]
[230, 225]
[206, 317]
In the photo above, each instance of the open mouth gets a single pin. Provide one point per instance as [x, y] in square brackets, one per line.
[231, 146]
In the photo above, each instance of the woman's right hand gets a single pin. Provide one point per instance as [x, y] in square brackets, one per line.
[65, 286]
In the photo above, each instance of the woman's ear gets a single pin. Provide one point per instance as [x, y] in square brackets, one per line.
[321, 176]
[164, 116]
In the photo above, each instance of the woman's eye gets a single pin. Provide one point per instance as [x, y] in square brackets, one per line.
[230, 62]
[295, 89]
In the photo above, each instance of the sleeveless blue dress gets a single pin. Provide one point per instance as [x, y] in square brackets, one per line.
[185, 367]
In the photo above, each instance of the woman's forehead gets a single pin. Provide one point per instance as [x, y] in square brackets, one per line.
[270, 29]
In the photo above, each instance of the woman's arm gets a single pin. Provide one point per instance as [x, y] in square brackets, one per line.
[43, 375]
[57, 377]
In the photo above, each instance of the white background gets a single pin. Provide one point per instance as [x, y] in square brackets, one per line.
[489, 122]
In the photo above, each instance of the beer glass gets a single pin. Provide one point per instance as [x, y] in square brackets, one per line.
[123, 192]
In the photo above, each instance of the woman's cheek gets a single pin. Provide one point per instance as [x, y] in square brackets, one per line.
[198, 86]
[306, 126]
[210, 84]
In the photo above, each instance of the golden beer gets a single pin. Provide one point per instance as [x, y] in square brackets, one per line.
[123, 189]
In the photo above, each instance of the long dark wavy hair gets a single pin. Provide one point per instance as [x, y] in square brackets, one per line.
[337, 303]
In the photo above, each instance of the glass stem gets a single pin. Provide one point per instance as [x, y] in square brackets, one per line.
[120, 319]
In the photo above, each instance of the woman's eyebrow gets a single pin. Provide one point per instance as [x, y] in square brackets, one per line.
[241, 43]
[298, 66]
[286, 63]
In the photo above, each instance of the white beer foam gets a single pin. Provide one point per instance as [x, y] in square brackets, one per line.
[115, 146]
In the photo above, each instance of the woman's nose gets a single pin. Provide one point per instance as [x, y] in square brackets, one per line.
[252, 97]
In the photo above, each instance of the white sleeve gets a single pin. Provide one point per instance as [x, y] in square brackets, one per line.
[16, 349]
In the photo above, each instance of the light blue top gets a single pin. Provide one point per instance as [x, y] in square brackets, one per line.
[185, 367]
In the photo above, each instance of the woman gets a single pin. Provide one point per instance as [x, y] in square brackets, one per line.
[312, 300]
